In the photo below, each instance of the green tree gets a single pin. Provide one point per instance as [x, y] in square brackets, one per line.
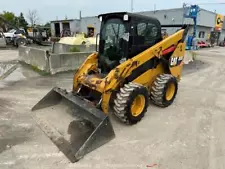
[22, 21]
[10, 18]
[47, 24]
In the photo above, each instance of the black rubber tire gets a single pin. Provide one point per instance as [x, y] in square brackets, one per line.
[124, 100]
[21, 42]
[159, 88]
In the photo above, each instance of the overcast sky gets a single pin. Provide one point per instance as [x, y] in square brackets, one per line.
[52, 9]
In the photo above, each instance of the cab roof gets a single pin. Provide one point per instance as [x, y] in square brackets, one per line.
[131, 15]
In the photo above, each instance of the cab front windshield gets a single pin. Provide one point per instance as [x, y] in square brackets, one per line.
[113, 33]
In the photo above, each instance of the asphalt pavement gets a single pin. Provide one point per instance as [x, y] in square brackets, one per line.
[186, 135]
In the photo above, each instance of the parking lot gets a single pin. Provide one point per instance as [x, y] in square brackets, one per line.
[188, 134]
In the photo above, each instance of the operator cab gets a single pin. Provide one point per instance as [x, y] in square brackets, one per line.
[123, 36]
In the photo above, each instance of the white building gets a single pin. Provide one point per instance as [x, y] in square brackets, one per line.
[206, 22]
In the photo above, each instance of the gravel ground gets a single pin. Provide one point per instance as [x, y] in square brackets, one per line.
[186, 135]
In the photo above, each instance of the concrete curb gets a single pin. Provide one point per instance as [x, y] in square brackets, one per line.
[51, 63]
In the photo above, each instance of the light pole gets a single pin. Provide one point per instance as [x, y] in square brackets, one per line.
[132, 5]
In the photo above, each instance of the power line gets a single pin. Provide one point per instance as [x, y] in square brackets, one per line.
[211, 3]
[206, 3]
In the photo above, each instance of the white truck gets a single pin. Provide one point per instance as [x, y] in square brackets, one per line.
[12, 33]
[15, 37]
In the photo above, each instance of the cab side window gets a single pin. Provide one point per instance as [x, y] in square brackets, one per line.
[141, 28]
[149, 31]
[17, 32]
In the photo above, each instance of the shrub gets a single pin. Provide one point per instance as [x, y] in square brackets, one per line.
[74, 49]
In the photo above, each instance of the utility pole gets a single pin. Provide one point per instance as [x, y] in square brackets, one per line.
[80, 15]
[132, 5]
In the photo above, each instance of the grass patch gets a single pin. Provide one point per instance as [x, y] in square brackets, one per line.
[66, 72]
[74, 49]
[41, 72]
[35, 69]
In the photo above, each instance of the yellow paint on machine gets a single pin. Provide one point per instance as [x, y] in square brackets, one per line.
[112, 82]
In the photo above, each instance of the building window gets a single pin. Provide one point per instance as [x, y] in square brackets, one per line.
[201, 34]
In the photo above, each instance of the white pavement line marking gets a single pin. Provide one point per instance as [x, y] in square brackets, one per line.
[4, 119]
[8, 163]
[33, 156]
[125, 142]
[24, 125]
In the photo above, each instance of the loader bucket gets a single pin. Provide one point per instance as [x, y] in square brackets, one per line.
[74, 125]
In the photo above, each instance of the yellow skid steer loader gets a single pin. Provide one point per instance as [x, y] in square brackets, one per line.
[133, 65]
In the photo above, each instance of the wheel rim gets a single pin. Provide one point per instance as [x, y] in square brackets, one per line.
[170, 91]
[21, 43]
[138, 105]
